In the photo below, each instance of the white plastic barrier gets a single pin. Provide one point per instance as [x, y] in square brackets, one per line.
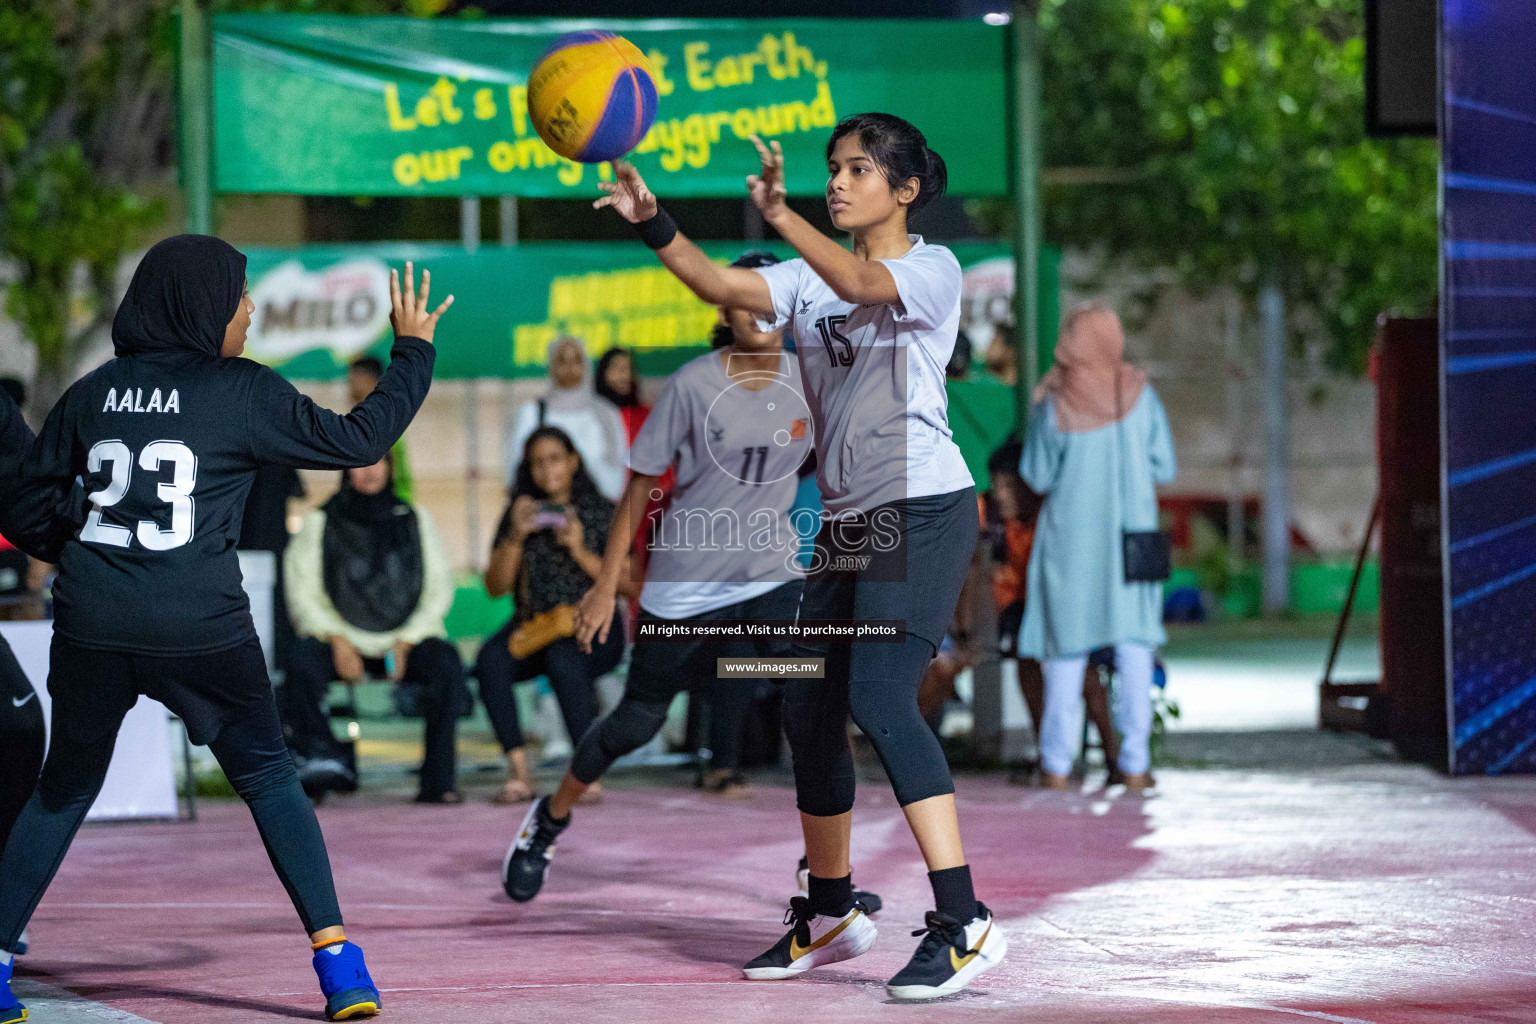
[259, 570]
[141, 781]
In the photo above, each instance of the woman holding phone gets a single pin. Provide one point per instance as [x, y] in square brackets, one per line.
[548, 550]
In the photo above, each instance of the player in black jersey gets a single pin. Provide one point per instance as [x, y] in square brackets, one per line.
[165, 440]
[22, 737]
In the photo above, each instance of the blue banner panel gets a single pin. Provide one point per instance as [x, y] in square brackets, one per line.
[1489, 330]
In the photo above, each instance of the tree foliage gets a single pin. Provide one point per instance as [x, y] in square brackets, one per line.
[86, 110]
[1227, 140]
[81, 108]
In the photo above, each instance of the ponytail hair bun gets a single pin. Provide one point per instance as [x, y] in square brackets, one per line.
[934, 182]
[899, 150]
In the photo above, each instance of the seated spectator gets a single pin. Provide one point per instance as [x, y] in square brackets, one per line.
[547, 552]
[363, 375]
[938, 686]
[592, 423]
[1002, 356]
[1008, 517]
[368, 587]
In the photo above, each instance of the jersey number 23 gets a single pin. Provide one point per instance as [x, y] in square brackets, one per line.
[175, 492]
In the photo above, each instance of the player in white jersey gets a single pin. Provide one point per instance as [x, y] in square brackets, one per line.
[735, 425]
[876, 327]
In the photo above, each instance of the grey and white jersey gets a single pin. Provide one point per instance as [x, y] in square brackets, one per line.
[874, 378]
[737, 444]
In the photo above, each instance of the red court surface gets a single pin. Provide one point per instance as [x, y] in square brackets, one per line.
[1379, 893]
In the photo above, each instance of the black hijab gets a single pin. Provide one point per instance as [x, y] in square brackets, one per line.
[183, 295]
[606, 390]
[371, 554]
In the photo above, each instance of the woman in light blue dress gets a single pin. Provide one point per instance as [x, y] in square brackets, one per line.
[1097, 446]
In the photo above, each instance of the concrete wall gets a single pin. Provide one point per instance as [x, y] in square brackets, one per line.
[1181, 340]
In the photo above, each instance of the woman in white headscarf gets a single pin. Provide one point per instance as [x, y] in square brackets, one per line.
[592, 422]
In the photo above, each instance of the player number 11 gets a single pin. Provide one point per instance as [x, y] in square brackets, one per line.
[761, 451]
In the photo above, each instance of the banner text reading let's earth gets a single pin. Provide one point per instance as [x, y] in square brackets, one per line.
[403, 106]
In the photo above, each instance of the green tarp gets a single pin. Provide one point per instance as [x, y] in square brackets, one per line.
[405, 106]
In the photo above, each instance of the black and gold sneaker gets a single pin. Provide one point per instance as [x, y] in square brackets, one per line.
[814, 940]
[526, 864]
[950, 957]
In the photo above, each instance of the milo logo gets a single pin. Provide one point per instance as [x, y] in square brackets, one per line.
[343, 308]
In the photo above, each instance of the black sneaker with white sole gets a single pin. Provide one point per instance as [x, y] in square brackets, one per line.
[950, 957]
[813, 940]
[527, 860]
[322, 775]
[870, 901]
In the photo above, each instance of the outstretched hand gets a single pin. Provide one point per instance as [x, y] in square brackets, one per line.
[767, 186]
[628, 195]
[408, 311]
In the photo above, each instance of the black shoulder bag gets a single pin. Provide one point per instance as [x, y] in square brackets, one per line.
[1147, 553]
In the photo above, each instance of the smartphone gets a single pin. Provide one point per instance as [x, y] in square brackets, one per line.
[550, 516]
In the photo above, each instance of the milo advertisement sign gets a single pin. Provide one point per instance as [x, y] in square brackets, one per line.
[318, 307]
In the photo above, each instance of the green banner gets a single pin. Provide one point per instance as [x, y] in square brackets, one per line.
[327, 105]
[319, 306]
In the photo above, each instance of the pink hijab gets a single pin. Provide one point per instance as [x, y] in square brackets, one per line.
[1088, 372]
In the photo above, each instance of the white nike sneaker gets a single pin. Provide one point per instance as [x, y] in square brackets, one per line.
[815, 940]
[950, 957]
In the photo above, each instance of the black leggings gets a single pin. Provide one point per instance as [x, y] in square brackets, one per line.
[659, 670]
[21, 740]
[92, 691]
[570, 672]
[726, 704]
[916, 581]
[433, 664]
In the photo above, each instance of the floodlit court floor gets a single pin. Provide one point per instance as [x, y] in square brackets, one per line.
[1343, 887]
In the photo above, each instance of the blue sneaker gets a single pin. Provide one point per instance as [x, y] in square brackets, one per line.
[11, 1009]
[349, 991]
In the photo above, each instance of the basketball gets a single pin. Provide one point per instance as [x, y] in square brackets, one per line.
[591, 96]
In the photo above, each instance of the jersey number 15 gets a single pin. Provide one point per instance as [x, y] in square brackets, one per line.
[175, 492]
[839, 345]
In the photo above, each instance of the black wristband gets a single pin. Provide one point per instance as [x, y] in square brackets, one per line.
[659, 231]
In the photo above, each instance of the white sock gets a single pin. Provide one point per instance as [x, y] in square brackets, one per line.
[5, 958]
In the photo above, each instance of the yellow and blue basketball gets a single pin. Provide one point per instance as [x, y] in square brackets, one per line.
[591, 96]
